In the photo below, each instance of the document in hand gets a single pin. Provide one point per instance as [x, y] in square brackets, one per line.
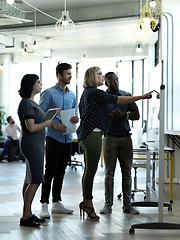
[66, 115]
[51, 113]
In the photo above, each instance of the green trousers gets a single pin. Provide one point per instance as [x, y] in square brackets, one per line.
[91, 145]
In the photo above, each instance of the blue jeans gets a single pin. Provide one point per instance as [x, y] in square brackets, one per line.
[6, 146]
[117, 148]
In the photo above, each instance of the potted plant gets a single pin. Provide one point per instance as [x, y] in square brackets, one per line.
[2, 119]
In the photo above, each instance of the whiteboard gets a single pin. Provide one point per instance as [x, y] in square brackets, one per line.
[154, 107]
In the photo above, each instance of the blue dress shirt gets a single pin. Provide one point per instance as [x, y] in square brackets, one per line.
[54, 97]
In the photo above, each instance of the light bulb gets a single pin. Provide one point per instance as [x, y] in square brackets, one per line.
[64, 23]
[2, 66]
[10, 1]
[34, 46]
[140, 29]
[146, 19]
[25, 53]
[152, 3]
[139, 48]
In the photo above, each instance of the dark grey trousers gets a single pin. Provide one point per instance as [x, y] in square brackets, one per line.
[118, 148]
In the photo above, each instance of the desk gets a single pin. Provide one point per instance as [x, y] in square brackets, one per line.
[175, 136]
[153, 155]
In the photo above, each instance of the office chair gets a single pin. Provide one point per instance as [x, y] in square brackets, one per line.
[76, 148]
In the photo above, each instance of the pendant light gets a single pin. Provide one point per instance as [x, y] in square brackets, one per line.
[65, 25]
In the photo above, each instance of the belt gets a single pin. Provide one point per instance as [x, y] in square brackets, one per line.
[124, 134]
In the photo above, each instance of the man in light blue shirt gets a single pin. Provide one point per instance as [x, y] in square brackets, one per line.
[58, 143]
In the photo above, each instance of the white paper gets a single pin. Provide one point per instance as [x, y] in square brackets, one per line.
[66, 115]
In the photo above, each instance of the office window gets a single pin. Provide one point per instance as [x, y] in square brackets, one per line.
[133, 78]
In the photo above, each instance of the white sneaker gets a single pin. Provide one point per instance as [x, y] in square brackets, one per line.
[44, 211]
[4, 160]
[58, 207]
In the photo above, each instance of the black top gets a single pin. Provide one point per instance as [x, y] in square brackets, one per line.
[122, 124]
[93, 110]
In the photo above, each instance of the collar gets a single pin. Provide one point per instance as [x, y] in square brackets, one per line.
[60, 88]
[119, 93]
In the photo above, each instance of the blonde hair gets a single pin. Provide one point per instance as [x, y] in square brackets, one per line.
[90, 77]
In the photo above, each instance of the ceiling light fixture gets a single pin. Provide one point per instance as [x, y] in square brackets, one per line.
[10, 8]
[2, 66]
[65, 25]
[25, 53]
[34, 45]
[154, 27]
[152, 3]
[153, 7]
[141, 32]
[139, 47]
[10, 2]
[146, 18]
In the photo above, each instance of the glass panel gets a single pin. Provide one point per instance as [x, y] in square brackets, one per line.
[125, 76]
[106, 66]
[16, 74]
[49, 78]
[138, 90]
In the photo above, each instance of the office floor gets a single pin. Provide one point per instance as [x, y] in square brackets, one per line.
[70, 227]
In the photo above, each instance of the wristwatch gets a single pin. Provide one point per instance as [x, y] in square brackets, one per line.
[127, 117]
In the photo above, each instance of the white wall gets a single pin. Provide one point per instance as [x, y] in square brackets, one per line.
[5, 84]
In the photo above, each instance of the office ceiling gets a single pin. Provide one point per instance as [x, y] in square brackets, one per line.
[100, 24]
[53, 5]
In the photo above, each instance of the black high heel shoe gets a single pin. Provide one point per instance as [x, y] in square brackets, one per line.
[81, 209]
[89, 211]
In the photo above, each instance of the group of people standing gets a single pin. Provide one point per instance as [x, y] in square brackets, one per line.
[101, 113]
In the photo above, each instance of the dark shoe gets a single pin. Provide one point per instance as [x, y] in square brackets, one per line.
[106, 209]
[16, 157]
[38, 220]
[30, 222]
[131, 210]
[89, 210]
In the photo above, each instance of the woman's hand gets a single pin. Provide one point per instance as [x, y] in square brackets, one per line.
[48, 123]
[34, 127]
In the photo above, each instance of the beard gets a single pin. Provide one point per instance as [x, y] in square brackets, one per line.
[13, 122]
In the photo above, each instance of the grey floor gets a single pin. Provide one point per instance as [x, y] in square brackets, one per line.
[71, 227]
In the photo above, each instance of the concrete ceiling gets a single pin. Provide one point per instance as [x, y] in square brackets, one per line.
[100, 24]
[54, 5]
